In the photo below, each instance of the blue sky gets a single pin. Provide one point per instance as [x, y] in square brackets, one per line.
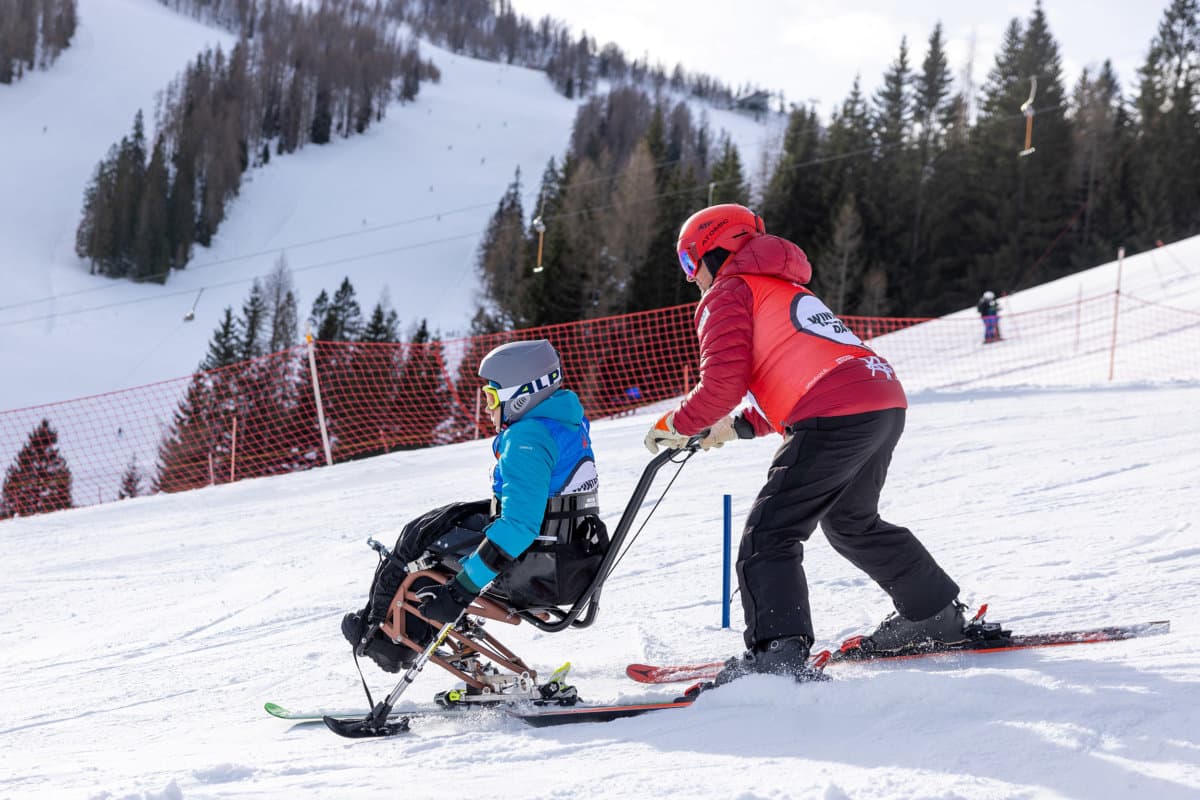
[811, 49]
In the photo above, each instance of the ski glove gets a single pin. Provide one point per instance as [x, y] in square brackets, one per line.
[662, 433]
[721, 432]
[447, 602]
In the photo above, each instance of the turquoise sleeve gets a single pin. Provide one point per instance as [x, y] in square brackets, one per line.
[527, 463]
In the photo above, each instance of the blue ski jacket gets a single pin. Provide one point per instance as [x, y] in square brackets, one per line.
[546, 453]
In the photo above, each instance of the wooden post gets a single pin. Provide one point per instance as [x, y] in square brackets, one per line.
[233, 453]
[477, 433]
[1112, 350]
[312, 367]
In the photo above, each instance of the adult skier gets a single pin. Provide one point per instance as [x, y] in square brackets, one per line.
[544, 486]
[840, 409]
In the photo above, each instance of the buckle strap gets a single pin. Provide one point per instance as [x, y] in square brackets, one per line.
[572, 506]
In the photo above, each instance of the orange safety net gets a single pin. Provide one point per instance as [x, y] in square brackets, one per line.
[261, 417]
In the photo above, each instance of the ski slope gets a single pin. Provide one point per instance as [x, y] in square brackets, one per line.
[141, 638]
[400, 210]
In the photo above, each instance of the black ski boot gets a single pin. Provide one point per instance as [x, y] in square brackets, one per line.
[897, 634]
[787, 655]
[387, 655]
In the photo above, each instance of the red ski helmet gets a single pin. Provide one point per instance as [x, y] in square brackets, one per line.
[713, 234]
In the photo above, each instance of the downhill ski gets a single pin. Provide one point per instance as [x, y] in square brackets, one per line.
[985, 638]
[530, 713]
[319, 715]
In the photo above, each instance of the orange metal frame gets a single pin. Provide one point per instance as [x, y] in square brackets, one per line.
[478, 642]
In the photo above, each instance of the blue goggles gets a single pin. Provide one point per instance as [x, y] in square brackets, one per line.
[688, 263]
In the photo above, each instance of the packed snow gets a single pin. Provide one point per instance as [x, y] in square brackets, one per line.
[141, 639]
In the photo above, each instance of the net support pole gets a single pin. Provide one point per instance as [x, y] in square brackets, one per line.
[1112, 349]
[312, 368]
[726, 560]
[233, 453]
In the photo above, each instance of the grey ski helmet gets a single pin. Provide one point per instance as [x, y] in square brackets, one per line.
[989, 295]
[523, 374]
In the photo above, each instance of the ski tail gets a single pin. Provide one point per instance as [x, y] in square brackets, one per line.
[681, 673]
[546, 716]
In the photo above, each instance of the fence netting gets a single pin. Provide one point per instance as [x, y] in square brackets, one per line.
[261, 417]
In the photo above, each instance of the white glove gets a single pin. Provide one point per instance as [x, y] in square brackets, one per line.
[663, 434]
[722, 431]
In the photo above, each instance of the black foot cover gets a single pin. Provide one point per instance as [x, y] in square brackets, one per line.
[366, 728]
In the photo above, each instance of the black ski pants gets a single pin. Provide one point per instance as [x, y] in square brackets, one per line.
[830, 470]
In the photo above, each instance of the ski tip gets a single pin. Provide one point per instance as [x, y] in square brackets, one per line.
[276, 710]
[639, 672]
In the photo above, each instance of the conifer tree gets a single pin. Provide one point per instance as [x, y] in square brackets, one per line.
[680, 188]
[225, 348]
[383, 326]
[151, 247]
[181, 202]
[503, 261]
[890, 196]
[342, 320]
[792, 204]
[129, 185]
[554, 293]
[95, 239]
[251, 328]
[424, 391]
[39, 479]
[627, 229]
[843, 258]
[320, 310]
[1022, 202]
[932, 117]
[191, 453]
[1168, 104]
[1101, 171]
[729, 182]
[131, 481]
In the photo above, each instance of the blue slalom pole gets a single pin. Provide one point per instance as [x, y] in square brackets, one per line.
[725, 563]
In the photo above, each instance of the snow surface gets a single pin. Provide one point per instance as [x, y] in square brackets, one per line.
[401, 208]
[140, 639]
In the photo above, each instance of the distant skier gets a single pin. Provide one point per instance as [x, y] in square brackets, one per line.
[840, 409]
[544, 485]
[989, 309]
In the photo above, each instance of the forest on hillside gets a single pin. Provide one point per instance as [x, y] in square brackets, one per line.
[302, 74]
[296, 76]
[910, 201]
[33, 33]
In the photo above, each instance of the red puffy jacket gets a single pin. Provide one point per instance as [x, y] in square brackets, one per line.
[763, 334]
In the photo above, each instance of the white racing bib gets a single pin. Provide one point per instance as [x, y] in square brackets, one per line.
[811, 316]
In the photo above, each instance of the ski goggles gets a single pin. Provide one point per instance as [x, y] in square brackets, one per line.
[495, 395]
[689, 261]
[491, 396]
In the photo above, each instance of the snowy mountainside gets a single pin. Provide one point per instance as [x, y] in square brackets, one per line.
[400, 209]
